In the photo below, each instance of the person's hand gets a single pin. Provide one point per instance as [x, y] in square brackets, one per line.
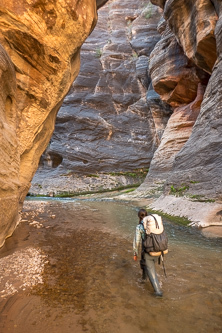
[135, 257]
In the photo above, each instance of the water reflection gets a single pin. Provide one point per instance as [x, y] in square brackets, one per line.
[90, 282]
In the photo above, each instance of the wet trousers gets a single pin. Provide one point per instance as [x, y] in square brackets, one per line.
[150, 272]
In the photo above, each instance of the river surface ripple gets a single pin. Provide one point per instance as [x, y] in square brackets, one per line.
[69, 268]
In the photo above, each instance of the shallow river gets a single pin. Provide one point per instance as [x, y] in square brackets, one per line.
[69, 268]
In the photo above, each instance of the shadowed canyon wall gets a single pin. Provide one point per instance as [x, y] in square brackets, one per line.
[185, 68]
[39, 59]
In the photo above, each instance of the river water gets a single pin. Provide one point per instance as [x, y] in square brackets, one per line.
[69, 268]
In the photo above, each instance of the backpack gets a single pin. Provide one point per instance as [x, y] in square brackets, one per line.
[156, 241]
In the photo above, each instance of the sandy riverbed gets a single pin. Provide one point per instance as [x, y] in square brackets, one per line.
[68, 268]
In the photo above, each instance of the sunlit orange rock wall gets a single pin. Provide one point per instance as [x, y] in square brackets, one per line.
[185, 68]
[9, 161]
[43, 40]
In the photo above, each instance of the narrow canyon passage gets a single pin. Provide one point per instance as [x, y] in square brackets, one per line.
[69, 268]
[144, 110]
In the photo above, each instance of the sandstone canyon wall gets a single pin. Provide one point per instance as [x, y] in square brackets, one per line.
[109, 127]
[185, 68]
[104, 125]
[39, 59]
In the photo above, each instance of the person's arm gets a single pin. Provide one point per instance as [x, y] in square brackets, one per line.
[137, 240]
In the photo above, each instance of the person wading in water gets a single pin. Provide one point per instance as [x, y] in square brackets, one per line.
[147, 261]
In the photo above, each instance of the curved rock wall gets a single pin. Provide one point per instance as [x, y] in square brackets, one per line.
[104, 124]
[9, 162]
[200, 160]
[43, 40]
[185, 68]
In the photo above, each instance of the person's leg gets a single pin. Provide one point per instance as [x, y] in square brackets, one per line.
[143, 266]
[151, 273]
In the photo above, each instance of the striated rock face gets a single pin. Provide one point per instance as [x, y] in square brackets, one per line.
[160, 110]
[104, 124]
[43, 40]
[176, 134]
[200, 160]
[9, 162]
[185, 68]
[173, 75]
[181, 84]
[193, 23]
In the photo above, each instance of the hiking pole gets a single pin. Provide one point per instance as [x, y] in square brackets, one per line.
[163, 266]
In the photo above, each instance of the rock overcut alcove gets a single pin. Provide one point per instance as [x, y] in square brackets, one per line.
[41, 43]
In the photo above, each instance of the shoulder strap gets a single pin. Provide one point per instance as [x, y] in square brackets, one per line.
[157, 225]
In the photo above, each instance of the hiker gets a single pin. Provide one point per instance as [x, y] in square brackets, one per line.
[147, 261]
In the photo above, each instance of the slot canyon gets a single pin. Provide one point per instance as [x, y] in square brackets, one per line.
[107, 107]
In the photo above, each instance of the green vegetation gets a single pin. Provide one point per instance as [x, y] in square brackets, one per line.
[181, 191]
[178, 192]
[129, 174]
[148, 15]
[148, 11]
[37, 195]
[177, 219]
[66, 194]
[200, 198]
[99, 52]
[141, 173]
[93, 175]
[207, 200]
[129, 23]
[68, 173]
[134, 55]
[134, 173]
[196, 196]
[101, 190]
[130, 190]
